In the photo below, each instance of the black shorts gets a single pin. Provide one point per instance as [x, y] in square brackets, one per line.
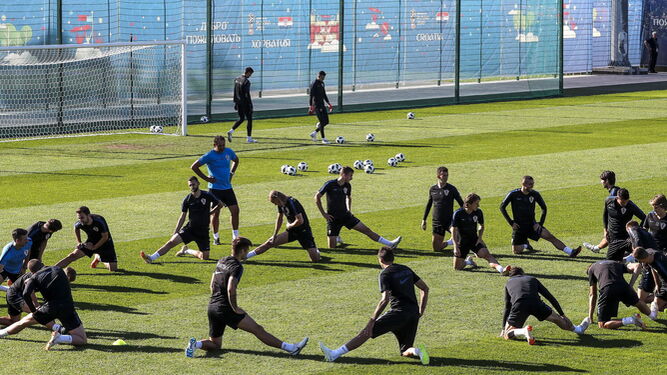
[521, 310]
[107, 252]
[322, 114]
[609, 298]
[662, 292]
[304, 235]
[8, 275]
[648, 283]
[401, 323]
[521, 236]
[14, 303]
[227, 196]
[64, 312]
[220, 317]
[618, 248]
[348, 220]
[440, 227]
[199, 235]
[467, 246]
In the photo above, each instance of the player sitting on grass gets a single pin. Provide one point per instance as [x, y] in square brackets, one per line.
[99, 244]
[339, 207]
[467, 237]
[607, 277]
[224, 312]
[397, 285]
[200, 205]
[40, 233]
[14, 256]
[608, 181]
[522, 299]
[657, 260]
[441, 196]
[296, 229]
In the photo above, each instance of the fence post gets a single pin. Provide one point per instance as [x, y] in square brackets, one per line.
[457, 59]
[560, 47]
[209, 56]
[341, 50]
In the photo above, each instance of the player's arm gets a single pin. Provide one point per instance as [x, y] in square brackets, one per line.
[592, 300]
[635, 269]
[41, 249]
[298, 220]
[427, 210]
[639, 214]
[508, 307]
[384, 300]
[423, 295]
[348, 202]
[196, 167]
[5, 250]
[212, 282]
[503, 209]
[279, 223]
[104, 238]
[457, 197]
[543, 206]
[656, 280]
[605, 219]
[480, 232]
[28, 291]
[456, 236]
[179, 223]
[554, 302]
[318, 202]
[235, 164]
[231, 294]
[77, 235]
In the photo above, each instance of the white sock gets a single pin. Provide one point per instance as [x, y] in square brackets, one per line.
[251, 254]
[450, 242]
[3, 333]
[192, 252]
[384, 241]
[469, 262]
[520, 332]
[4, 288]
[499, 268]
[339, 239]
[231, 131]
[235, 233]
[578, 330]
[413, 351]
[216, 236]
[56, 327]
[567, 250]
[154, 256]
[64, 339]
[525, 246]
[198, 345]
[628, 321]
[340, 351]
[629, 259]
[653, 315]
[287, 347]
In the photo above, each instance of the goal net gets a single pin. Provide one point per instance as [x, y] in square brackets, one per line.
[67, 90]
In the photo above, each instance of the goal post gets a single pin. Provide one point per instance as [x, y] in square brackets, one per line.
[106, 88]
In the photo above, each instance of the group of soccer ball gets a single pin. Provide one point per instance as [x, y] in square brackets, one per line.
[291, 171]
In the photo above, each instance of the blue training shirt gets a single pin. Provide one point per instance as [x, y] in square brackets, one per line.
[12, 258]
[218, 164]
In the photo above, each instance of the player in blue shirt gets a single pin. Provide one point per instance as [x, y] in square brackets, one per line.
[14, 255]
[221, 163]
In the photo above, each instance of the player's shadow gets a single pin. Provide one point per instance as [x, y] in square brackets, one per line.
[152, 275]
[114, 288]
[98, 333]
[268, 353]
[131, 348]
[590, 341]
[108, 307]
[400, 252]
[321, 266]
[488, 364]
[547, 256]
[558, 276]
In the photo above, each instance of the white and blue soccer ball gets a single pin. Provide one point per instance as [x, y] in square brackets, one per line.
[411, 116]
[340, 140]
[358, 164]
[290, 170]
[399, 157]
[392, 162]
[204, 119]
[283, 168]
[335, 168]
[370, 137]
[369, 168]
[302, 166]
[156, 129]
[368, 162]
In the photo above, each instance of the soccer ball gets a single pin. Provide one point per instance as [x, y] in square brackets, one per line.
[204, 119]
[368, 162]
[411, 115]
[303, 166]
[369, 168]
[290, 170]
[392, 162]
[156, 129]
[370, 137]
[400, 157]
[335, 168]
[358, 164]
[340, 140]
[283, 168]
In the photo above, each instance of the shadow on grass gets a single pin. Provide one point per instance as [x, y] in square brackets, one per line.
[557, 276]
[591, 341]
[107, 307]
[130, 348]
[321, 265]
[97, 333]
[152, 275]
[551, 256]
[114, 288]
[400, 252]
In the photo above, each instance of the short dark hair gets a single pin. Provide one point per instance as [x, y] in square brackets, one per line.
[632, 224]
[659, 200]
[249, 70]
[347, 170]
[218, 139]
[18, 233]
[322, 73]
[639, 253]
[54, 225]
[83, 210]
[516, 271]
[240, 243]
[71, 274]
[527, 178]
[471, 198]
[386, 255]
[442, 168]
[35, 265]
[193, 179]
[608, 176]
[623, 194]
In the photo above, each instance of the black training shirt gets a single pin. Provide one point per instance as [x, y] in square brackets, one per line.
[615, 217]
[52, 282]
[199, 209]
[442, 200]
[606, 273]
[242, 91]
[16, 289]
[336, 197]
[658, 229]
[526, 289]
[467, 223]
[640, 237]
[35, 233]
[227, 267]
[95, 229]
[400, 281]
[523, 207]
[291, 209]
[318, 94]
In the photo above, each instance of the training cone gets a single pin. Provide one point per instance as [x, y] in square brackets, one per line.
[119, 342]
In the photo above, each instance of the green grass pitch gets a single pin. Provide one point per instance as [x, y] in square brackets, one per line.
[138, 181]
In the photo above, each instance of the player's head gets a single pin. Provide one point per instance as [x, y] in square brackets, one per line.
[71, 274]
[642, 255]
[20, 236]
[240, 247]
[35, 265]
[346, 174]
[321, 75]
[277, 197]
[249, 71]
[608, 179]
[659, 203]
[386, 256]
[53, 225]
[527, 182]
[516, 271]
[631, 225]
[654, 34]
[442, 174]
[623, 196]
[83, 213]
[472, 201]
[193, 183]
[219, 143]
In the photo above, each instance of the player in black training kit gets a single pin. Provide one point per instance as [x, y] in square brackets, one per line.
[224, 312]
[40, 232]
[618, 211]
[657, 260]
[467, 231]
[339, 205]
[656, 221]
[296, 229]
[640, 237]
[522, 299]
[98, 245]
[318, 96]
[607, 277]
[243, 104]
[523, 224]
[397, 285]
[441, 196]
[200, 205]
[608, 181]
[54, 285]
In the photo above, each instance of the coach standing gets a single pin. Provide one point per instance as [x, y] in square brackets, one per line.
[652, 45]
[243, 104]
